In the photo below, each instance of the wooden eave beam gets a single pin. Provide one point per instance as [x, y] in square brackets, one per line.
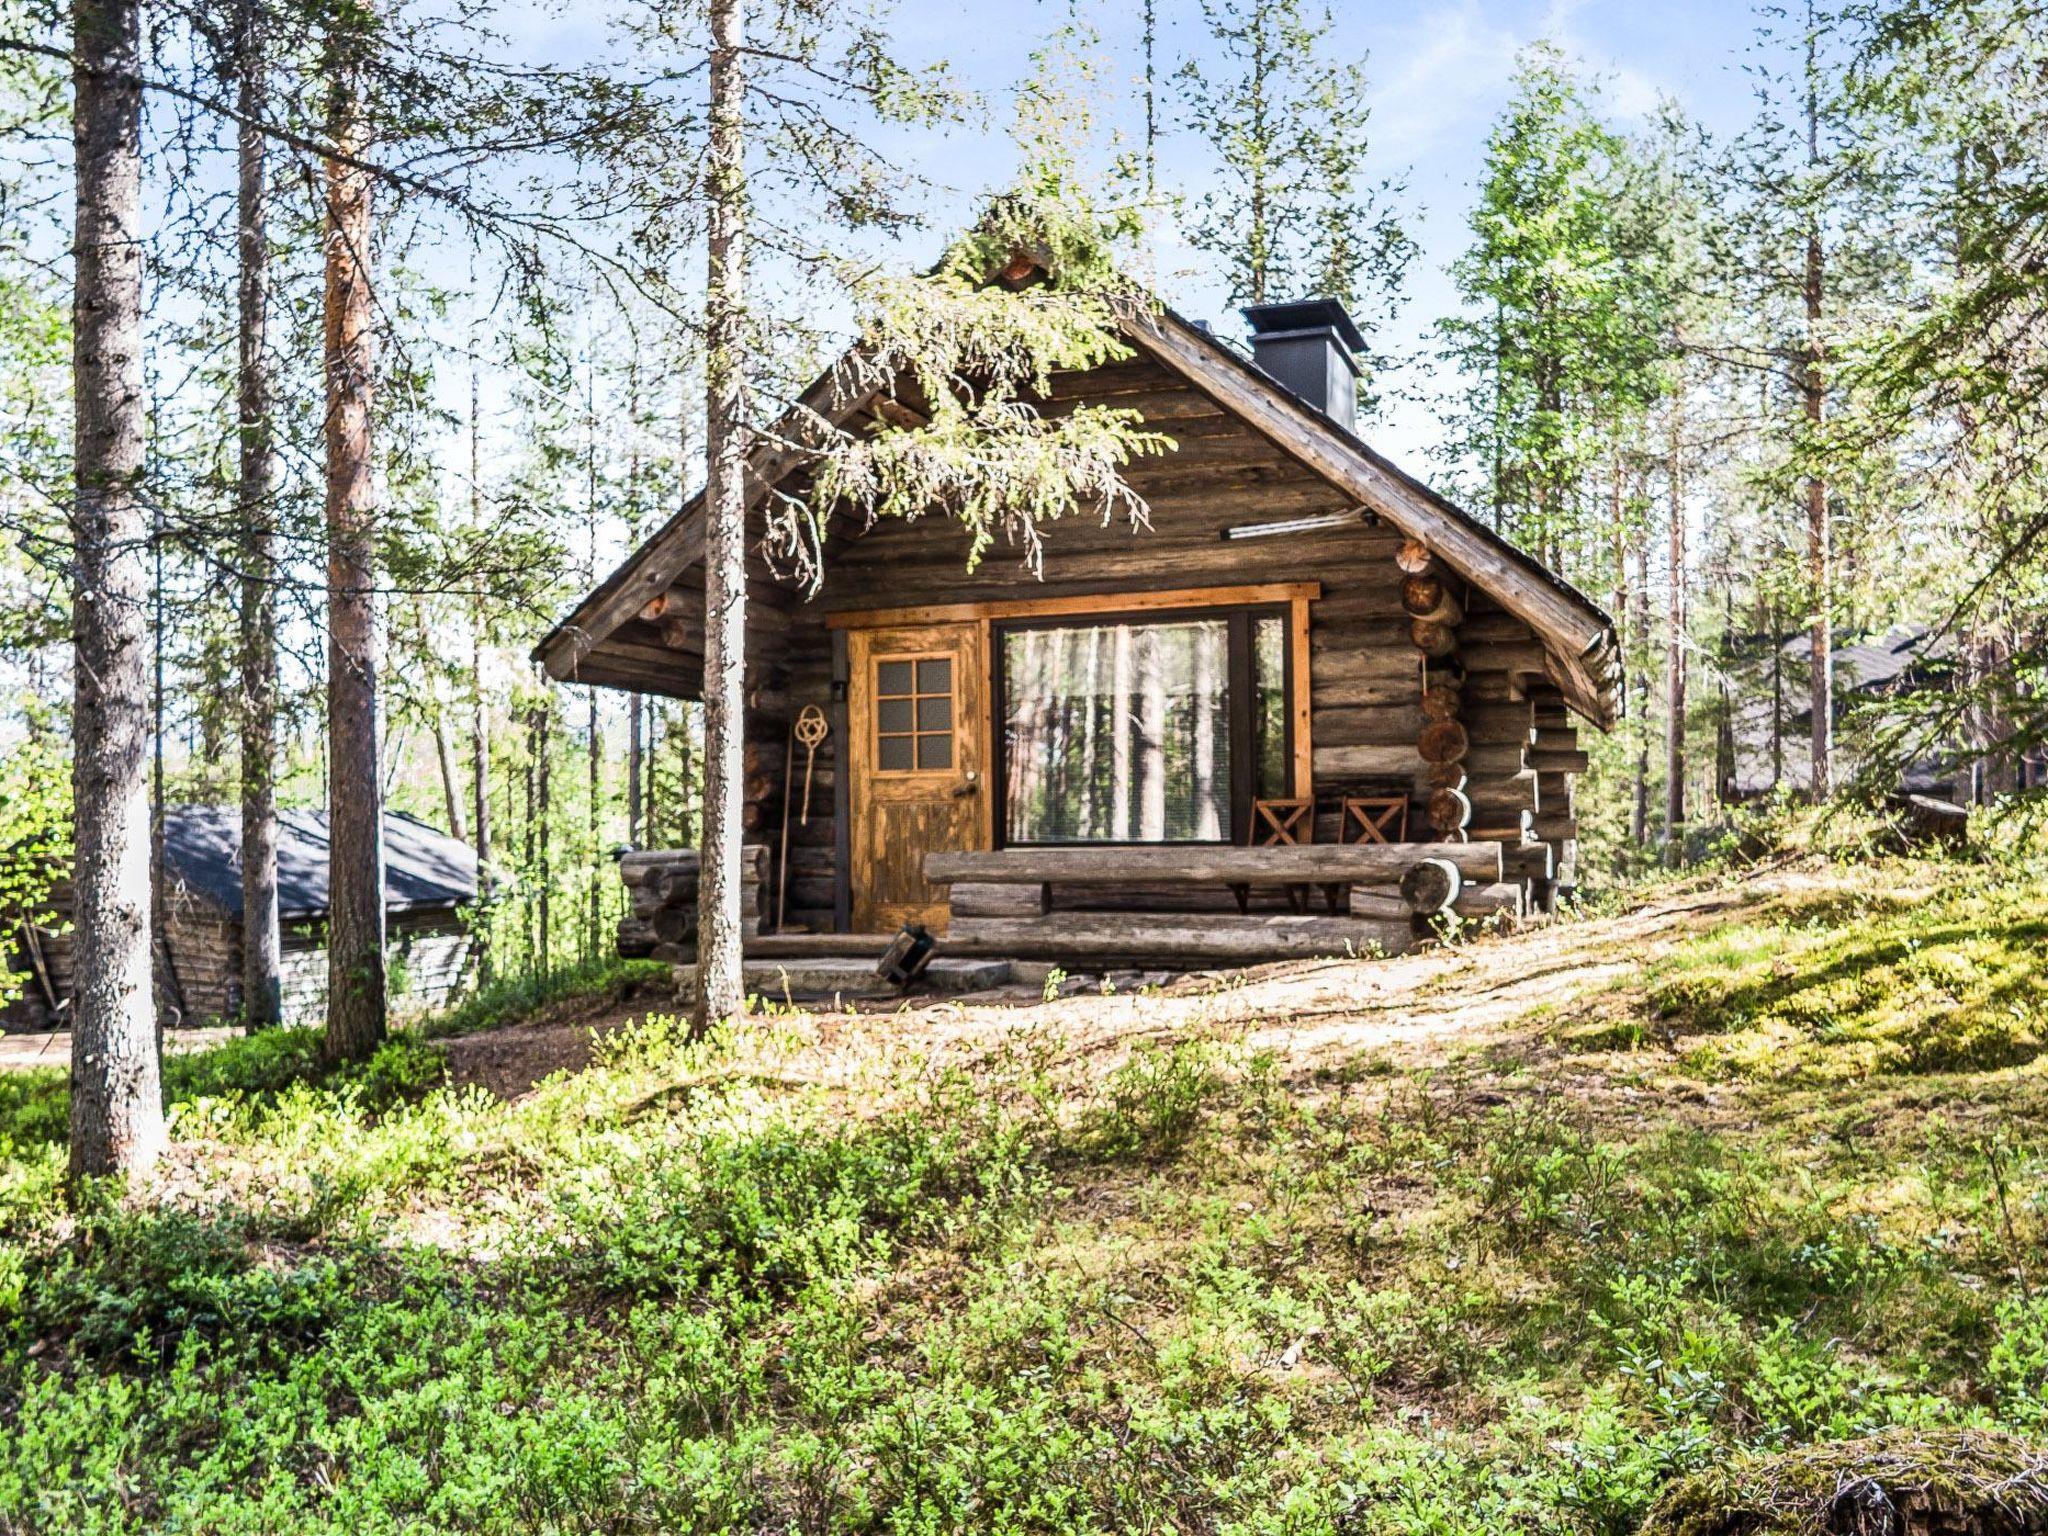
[1578, 640]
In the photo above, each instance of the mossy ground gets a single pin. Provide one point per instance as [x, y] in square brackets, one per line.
[1506, 1239]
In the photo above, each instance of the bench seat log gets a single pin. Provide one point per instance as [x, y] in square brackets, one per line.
[1142, 936]
[1370, 864]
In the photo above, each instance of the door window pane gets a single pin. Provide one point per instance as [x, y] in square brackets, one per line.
[1118, 732]
[914, 715]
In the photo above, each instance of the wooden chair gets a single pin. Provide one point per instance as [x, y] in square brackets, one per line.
[1284, 823]
[1374, 819]
[1277, 823]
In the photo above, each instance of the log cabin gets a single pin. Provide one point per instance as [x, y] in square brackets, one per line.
[429, 878]
[1309, 707]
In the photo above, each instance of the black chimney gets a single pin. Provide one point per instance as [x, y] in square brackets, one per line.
[1310, 346]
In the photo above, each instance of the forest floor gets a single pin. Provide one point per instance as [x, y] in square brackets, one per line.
[1504, 1237]
[1311, 1011]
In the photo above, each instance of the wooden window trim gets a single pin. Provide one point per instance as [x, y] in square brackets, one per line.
[1265, 595]
[876, 661]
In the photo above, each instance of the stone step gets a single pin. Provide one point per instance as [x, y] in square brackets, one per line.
[811, 978]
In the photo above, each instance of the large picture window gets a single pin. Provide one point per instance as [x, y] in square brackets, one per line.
[1153, 730]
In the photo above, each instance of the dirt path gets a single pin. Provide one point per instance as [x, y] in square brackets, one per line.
[52, 1048]
[1310, 1012]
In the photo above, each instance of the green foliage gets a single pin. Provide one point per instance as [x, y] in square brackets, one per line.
[703, 1285]
[1153, 1102]
[505, 999]
[976, 349]
[248, 1071]
[1569, 287]
[1292, 210]
[35, 841]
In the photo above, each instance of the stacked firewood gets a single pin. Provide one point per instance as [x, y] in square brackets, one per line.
[662, 882]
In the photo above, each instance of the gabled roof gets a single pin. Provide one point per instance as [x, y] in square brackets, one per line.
[1577, 635]
[423, 868]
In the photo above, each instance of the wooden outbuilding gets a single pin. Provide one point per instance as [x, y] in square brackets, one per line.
[1311, 708]
[429, 878]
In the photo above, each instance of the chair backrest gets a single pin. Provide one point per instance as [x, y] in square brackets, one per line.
[1277, 823]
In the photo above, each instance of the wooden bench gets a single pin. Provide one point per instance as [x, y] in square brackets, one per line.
[1017, 882]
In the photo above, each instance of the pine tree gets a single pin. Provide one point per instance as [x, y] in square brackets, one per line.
[117, 1120]
[255, 492]
[1293, 208]
[1566, 324]
[356, 987]
[720, 988]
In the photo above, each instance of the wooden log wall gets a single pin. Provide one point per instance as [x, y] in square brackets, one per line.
[198, 966]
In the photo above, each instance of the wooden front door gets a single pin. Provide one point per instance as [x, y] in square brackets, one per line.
[916, 706]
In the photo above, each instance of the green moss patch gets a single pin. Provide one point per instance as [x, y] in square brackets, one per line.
[1901, 1483]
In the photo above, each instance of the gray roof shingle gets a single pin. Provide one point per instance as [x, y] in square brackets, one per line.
[203, 853]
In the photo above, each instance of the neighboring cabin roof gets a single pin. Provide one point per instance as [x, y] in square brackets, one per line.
[1577, 635]
[423, 868]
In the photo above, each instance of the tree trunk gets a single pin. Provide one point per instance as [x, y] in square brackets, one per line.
[480, 802]
[444, 754]
[527, 892]
[594, 931]
[1639, 813]
[543, 779]
[634, 706]
[651, 811]
[262, 934]
[720, 986]
[1208, 827]
[117, 1110]
[356, 1002]
[1120, 734]
[1819, 536]
[1674, 653]
[1091, 670]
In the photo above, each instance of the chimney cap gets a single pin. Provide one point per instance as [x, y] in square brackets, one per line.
[1305, 315]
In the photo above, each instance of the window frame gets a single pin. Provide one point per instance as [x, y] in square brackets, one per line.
[1239, 691]
[916, 696]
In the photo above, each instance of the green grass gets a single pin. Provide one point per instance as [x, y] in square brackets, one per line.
[775, 1281]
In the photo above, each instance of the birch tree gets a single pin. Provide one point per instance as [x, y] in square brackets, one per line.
[255, 491]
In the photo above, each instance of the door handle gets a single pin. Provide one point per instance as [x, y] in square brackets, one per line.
[962, 791]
